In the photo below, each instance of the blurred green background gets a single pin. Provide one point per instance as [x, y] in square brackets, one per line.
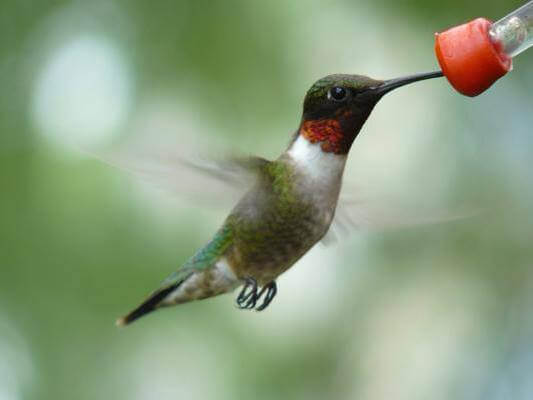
[434, 312]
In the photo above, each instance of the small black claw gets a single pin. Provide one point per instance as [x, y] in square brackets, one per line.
[252, 301]
[249, 295]
[247, 299]
[271, 290]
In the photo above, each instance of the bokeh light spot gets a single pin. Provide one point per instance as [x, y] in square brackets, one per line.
[83, 93]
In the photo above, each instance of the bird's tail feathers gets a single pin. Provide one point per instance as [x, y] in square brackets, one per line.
[155, 300]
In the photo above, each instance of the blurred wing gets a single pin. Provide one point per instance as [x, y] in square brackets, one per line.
[356, 214]
[213, 182]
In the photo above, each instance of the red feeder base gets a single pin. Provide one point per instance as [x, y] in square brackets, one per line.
[469, 59]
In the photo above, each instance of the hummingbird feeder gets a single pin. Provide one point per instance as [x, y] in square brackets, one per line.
[475, 55]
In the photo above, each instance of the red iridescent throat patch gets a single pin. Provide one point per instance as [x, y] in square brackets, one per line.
[326, 131]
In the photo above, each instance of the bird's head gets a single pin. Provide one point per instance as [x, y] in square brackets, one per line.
[337, 106]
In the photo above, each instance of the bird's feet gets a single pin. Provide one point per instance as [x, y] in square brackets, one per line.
[269, 290]
[249, 295]
[247, 298]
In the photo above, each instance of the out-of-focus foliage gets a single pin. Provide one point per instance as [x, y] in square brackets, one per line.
[438, 312]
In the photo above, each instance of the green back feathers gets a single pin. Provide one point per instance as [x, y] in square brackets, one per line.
[208, 254]
[205, 257]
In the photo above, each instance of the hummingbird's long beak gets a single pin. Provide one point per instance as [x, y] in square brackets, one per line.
[392, 84]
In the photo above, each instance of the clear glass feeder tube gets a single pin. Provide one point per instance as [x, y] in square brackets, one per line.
[514, 33]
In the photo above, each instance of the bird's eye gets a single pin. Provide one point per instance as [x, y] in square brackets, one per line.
[337, 93]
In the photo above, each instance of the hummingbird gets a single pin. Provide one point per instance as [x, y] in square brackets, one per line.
[288, 208]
